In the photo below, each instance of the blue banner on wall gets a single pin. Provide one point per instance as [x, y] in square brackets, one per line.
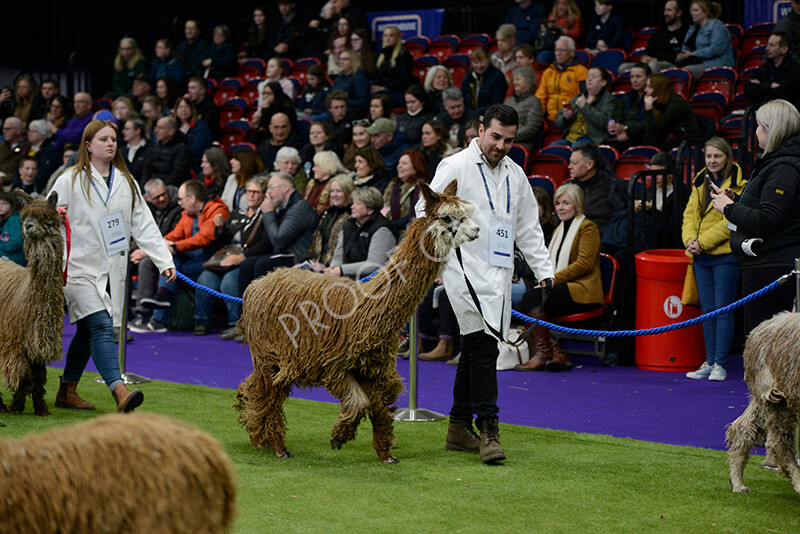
[765, 11]
[426, 22]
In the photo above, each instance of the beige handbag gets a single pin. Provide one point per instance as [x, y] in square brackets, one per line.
[511, 355]
[690, 296]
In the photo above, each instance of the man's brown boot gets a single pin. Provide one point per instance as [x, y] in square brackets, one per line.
[462, 437]
[127, 401]
[443, 351]
[490, 449]
[67, 397]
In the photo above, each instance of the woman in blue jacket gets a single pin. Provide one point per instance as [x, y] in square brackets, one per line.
[708, 41]
[484, 84]
[198, 134]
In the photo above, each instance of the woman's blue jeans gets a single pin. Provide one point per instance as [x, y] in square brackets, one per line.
[94, 336]
[717, 280]
[204, 302]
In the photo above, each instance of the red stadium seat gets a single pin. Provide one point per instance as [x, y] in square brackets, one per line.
[550, 165]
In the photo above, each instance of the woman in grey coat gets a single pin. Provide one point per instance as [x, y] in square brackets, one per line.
[585, 118]
[528, 106]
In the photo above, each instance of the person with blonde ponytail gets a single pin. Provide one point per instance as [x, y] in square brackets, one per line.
[106, 210]
[394, 65]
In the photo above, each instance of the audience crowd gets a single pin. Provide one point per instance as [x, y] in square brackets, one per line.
[294, 145]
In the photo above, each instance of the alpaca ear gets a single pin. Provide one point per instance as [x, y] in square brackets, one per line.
[451, 189]
[430, 196]
[23, 198]
[53, 199]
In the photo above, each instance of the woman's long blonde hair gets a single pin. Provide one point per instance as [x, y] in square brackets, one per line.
[398, 45]
[83, 164]
[119, 65]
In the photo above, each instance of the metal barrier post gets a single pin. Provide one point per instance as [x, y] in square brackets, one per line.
[797, 285]
[412, 413]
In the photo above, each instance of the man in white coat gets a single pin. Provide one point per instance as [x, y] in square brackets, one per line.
[506, 212]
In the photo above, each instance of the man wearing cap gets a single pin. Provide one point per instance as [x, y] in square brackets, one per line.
[388, 142]
[73, 131]
[499, 190]
[140, 91]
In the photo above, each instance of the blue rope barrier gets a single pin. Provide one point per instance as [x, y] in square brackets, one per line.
[563, 329]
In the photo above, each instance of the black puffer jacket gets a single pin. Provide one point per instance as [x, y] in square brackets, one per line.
[168, 161]
[769, 208]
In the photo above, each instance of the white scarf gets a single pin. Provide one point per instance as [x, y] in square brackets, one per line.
[563, 260]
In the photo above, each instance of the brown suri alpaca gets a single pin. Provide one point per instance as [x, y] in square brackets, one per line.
[32, 309]
[772, 372]
[114, 474]
[309, 330]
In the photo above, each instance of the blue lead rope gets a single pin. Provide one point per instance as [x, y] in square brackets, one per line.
[574, 331]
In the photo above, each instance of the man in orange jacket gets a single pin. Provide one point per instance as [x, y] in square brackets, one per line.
[191, 243]
[561, 80]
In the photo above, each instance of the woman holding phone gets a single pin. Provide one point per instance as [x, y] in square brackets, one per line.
[707, 239]
[765, 238]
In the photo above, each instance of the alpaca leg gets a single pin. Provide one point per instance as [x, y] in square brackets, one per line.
[354, 404]
[263, 417]
[382, 421]
[20, 395]
[39, 380]
[3, 407]
[382, 433]
[780, 440]
[742, 435]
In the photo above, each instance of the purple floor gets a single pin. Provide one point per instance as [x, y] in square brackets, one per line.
[621, 401]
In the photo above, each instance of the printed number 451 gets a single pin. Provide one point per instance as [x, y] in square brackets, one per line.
[502, 233]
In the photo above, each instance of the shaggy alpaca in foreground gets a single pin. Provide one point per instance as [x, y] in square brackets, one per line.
[115, 474]
[32, 310]
[309, 330]
[771, 370]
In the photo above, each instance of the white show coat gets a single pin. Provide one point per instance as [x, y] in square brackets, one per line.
[492, 284]
[90, 267]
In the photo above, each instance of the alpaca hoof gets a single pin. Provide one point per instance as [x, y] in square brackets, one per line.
[42, 413]
[391, 460]
[336, 444]
[741, 489]
[3, 408]
[284, 454]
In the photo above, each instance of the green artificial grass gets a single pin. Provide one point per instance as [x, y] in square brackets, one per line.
[553, 481]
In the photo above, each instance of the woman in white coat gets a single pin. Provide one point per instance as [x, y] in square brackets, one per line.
[105, 210]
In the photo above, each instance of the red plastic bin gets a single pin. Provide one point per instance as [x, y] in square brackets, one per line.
[659, 284]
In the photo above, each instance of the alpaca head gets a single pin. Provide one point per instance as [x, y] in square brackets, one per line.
[448, 218]
[40, 219]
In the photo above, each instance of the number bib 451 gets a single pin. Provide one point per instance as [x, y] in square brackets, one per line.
[501, 243]
[114, 233]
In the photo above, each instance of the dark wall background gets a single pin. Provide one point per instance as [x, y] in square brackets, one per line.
[49, 34]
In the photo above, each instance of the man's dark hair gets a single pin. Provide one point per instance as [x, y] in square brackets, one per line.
[335, 95]
[644, 66]
[663, 159]
[784, 37]
[589, 152]
[199, 79]
[505, 115]
[51, 81]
